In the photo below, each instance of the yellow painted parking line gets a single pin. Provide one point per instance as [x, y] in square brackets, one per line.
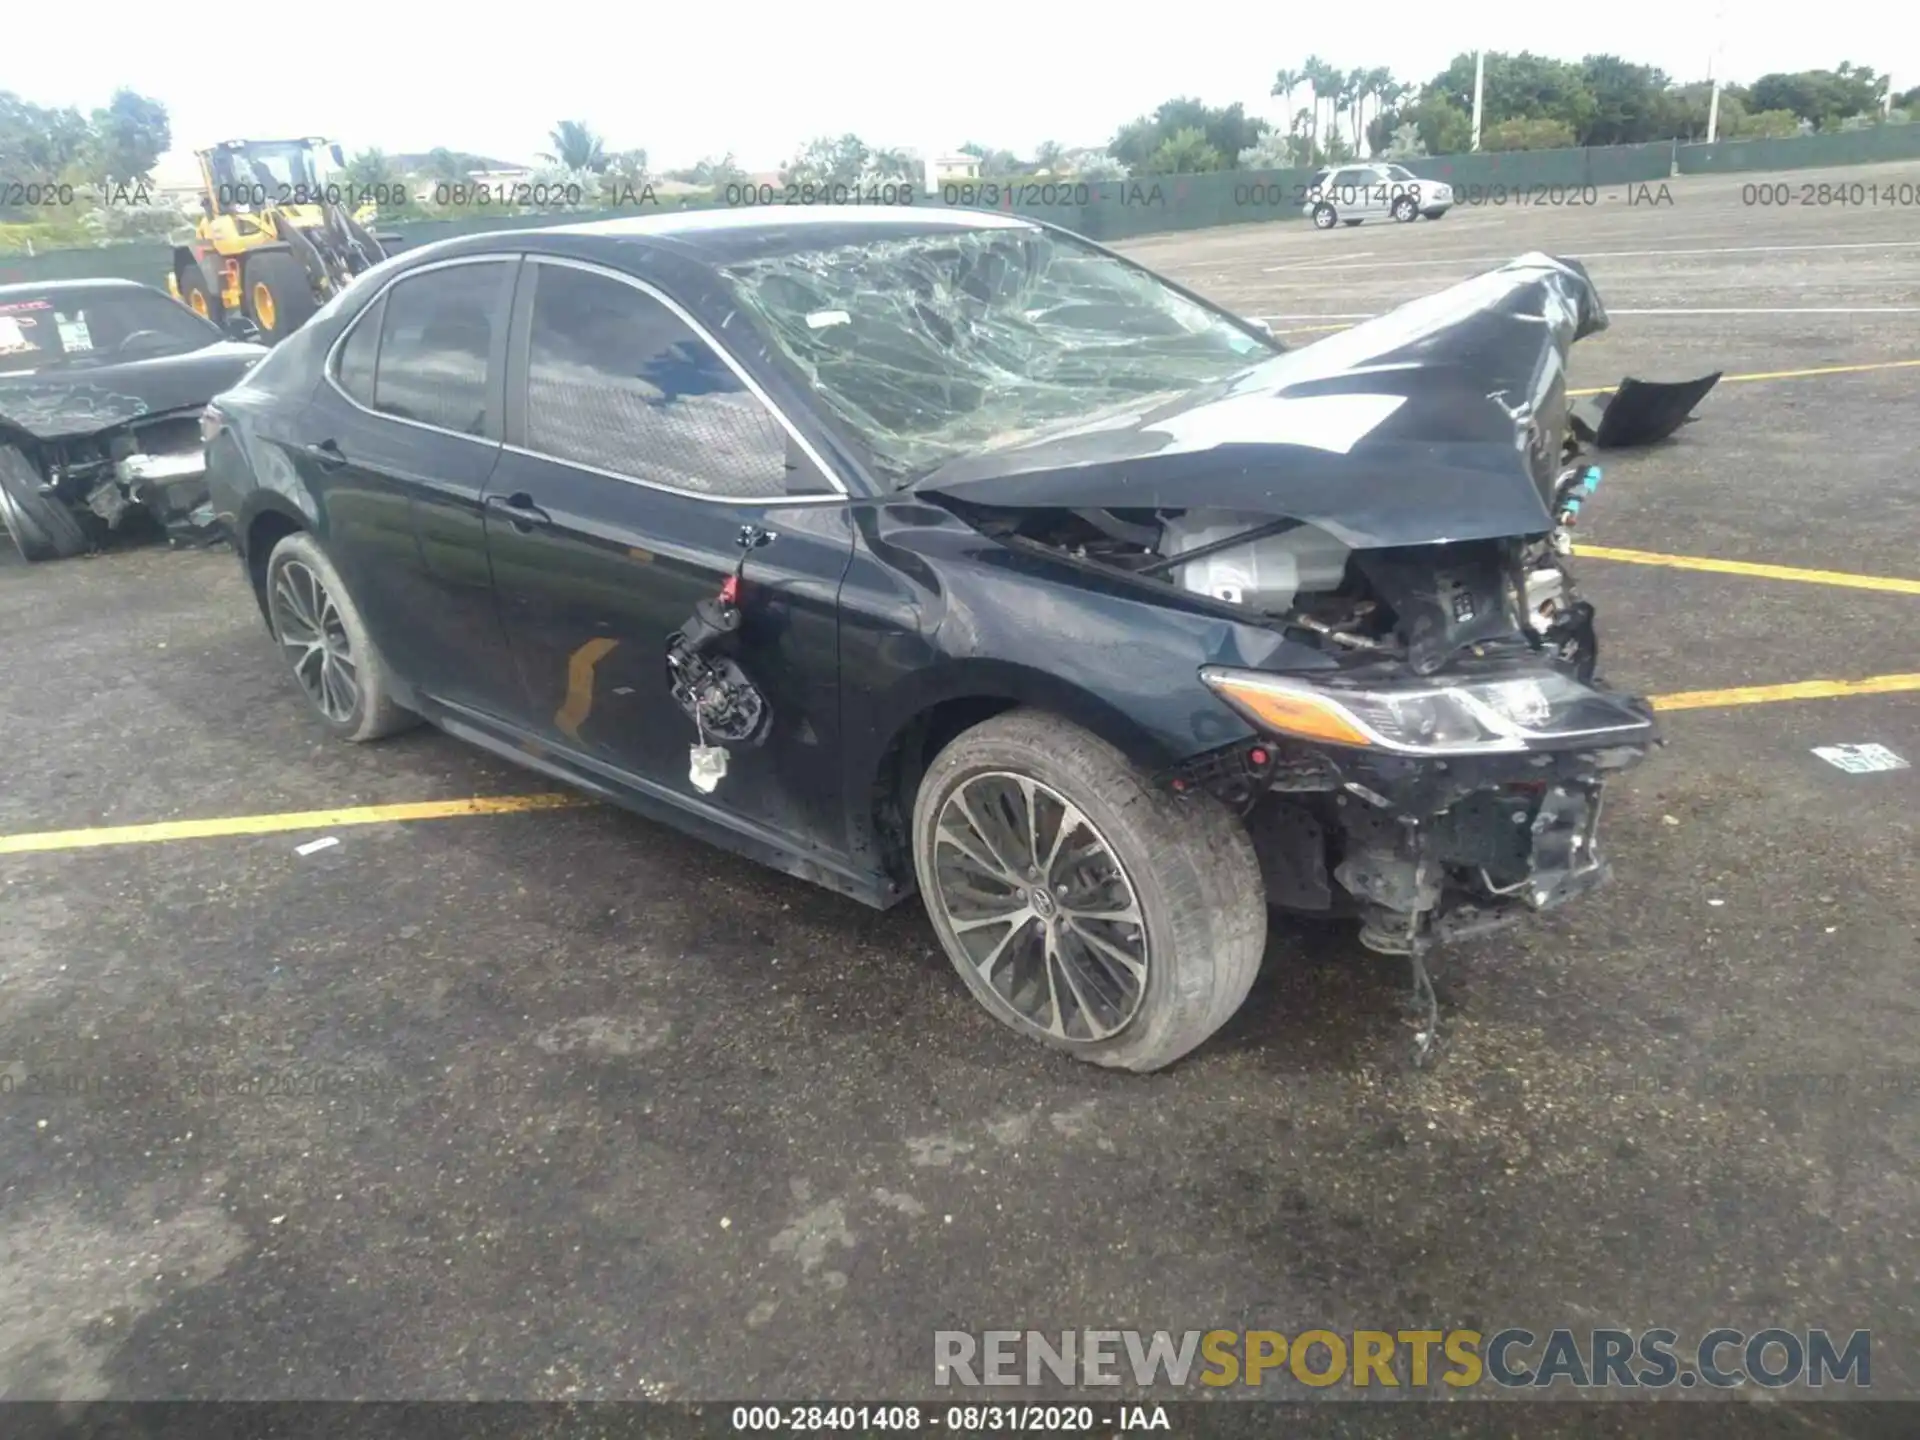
[1788, 374]
[273, 824]
[1840, 578]
[1770, 694]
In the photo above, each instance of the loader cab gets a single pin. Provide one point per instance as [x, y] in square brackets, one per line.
[249, 176]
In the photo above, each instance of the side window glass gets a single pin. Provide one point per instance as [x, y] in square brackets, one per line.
[434, 341]
[354, 368]
[616, 380]
[1350, 179]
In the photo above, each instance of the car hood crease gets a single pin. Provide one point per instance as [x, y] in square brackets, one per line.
[63, 402]
[1443, 420]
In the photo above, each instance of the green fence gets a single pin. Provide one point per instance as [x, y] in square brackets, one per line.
[1847, 147]
[1123, 209]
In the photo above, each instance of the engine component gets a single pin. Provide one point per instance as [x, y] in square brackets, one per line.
[1266, 572]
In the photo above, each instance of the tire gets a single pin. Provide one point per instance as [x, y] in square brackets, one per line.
[1405, 210]
[274, 288]
[197, 296]
[1324, 216]
[373, 713]
[1183, 866]
[40, 526]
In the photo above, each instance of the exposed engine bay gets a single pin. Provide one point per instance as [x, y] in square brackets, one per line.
[147, 471]
[102, 386]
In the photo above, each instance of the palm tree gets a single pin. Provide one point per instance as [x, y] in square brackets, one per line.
[1322, 81]
[576, 147]
[1286, 82]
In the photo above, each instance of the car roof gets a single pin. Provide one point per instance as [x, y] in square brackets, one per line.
[727, 237]
[71, 287]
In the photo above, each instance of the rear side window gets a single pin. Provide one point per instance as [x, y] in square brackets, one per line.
[435, 338]
[617, 381]
[354, 369]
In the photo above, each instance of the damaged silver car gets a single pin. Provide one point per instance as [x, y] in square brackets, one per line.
[102, 383]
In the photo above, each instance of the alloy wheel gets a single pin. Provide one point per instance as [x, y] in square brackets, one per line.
[1041, 906]
[307, 622]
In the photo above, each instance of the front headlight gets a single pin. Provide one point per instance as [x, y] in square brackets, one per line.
[1471, 716]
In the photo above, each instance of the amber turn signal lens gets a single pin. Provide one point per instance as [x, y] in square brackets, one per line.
[1286, 711]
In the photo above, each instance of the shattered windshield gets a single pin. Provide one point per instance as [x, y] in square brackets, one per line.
[932, 346]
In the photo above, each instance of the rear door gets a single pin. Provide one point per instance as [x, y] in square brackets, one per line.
[1354, 193]
[637, 452]
[398, 446]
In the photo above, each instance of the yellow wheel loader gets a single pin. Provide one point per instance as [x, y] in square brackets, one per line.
[276, 238]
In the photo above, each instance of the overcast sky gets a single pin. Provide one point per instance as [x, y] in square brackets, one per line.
[690, 80]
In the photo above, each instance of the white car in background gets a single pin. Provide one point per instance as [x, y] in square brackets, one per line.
[1354, 193]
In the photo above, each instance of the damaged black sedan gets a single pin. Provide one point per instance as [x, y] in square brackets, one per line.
[950, 553]
[101, 387]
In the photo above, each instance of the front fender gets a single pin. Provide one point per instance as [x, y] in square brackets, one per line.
[933, 612]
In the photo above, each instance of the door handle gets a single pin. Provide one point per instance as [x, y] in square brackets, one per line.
[520, 509]
[327, 455]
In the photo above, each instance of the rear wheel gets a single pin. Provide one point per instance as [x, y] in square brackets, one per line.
[40, 526]
[334, 659]
[275, 293]
[1324, 216]
[1083, 905]
[197, 295]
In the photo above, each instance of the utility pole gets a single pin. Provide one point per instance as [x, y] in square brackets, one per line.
[1479, 90]
[1713, 76]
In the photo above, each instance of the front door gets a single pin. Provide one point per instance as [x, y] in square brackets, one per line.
[636, 455]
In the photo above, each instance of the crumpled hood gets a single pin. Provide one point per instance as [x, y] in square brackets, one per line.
[1441, 420]
[64, 401]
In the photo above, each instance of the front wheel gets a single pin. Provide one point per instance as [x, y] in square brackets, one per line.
[41, 527]
[322, 636]
[1405, 211]
[1324, 216]
[1083, 905]
[276, 293]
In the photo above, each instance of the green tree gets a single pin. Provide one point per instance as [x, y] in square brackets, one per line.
[627, 168]
[1520, 134]
[1445, 128]
[444, 166]
[1322, 81]
[1518, 87]
[38, 144]
[1632, 104]
[1821, 97]
[575, 147]
[1227, 129]
[129, 136]
[1285, 82]
[892, 165]
[1049, 157]
[828, 160]
[1185, 152]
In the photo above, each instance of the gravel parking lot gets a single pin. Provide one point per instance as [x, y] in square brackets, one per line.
[559, 1104]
